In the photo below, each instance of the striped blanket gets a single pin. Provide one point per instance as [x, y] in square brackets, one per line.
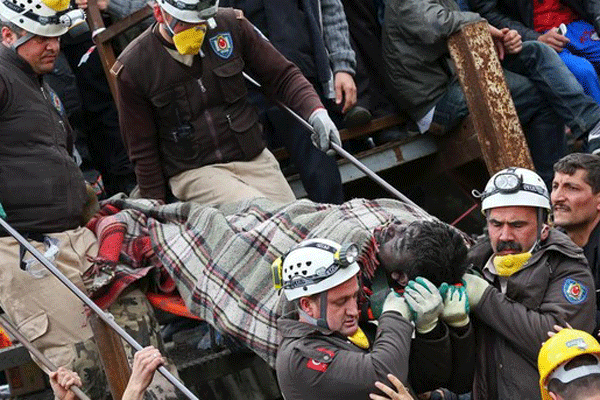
[220, 258]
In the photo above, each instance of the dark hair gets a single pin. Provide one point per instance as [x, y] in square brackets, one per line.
[437, 252]
[590, 163]
[580, 388]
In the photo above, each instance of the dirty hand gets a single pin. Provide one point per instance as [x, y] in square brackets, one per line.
[425, 301]
[475, 287]
[145, 363]
[345, 89]
[399, 394]
[512, 41]
[325, 130]
[456, 305]
[554, 39]
[61, 381]
[395, 302]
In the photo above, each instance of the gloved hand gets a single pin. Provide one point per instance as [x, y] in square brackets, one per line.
[325, 130]
[456, 305]
[2, 212]
[475, 287]
[395, 302]
[425, 301]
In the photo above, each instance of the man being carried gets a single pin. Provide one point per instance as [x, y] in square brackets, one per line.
[184, 112]
[534, 278]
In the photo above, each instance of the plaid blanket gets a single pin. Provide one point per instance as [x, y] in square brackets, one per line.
[220, 258]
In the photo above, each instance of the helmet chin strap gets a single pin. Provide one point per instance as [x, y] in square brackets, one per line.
[322, 321]
[170, 27]
[22, 40]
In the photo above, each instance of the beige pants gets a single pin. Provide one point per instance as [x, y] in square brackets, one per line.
[233, 181]
[39, 305]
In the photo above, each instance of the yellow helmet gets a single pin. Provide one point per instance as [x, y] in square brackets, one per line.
[562, 347]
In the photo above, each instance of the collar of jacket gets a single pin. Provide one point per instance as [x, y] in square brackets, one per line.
[9, 56]
[556, 241]
[291, 327]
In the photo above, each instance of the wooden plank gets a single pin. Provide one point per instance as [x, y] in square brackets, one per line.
[493, 112]
[112, 356]
[378, 159]
[121, 26]
[105, 50]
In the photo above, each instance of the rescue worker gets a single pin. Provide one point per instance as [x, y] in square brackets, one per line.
[43, 192]
[325, 354]
[184, 113]
[569, 366]
[45, 198]
[534, 277]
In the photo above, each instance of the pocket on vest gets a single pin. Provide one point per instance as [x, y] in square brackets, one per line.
[231, 81]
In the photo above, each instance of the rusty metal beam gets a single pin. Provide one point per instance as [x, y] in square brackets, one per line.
[492, 110]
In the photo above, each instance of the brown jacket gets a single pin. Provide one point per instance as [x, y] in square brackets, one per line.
[41, 187]
[175, 117]
[554, 287]
[315, 363]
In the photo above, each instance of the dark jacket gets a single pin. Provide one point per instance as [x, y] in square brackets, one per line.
[41, 187]
[445, 360]
[176, 117]
[415, 51]
[518, 14]
[554, 287]
[315, 363]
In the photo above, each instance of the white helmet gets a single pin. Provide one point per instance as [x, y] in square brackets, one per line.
[41, 17]
[317, 265]
[514, 187]
[191, 11]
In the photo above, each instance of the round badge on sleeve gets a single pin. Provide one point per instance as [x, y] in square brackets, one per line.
[575, 292]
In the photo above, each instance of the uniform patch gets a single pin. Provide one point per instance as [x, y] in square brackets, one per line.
[222, 45]
[321, 366]
[574, 292]
[55, 100]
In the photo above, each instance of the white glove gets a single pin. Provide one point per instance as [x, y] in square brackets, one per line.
[395, 302]
[475, 287]
[456, 305]
[425, 301]
[325, 130]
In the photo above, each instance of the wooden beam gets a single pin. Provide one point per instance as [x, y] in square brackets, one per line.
[105, 50]
[122, 25]
[493, 112]
[112, 356]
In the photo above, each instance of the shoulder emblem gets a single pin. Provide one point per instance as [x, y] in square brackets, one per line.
[321, 363]
[116, 68]
[222, 44]
[575, 292]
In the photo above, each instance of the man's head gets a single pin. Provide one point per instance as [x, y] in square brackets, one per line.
[321, 276]
[32, 29]
[430, 249]
[184, 22]
[576, 192]
[569, 366]
[516, 204]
